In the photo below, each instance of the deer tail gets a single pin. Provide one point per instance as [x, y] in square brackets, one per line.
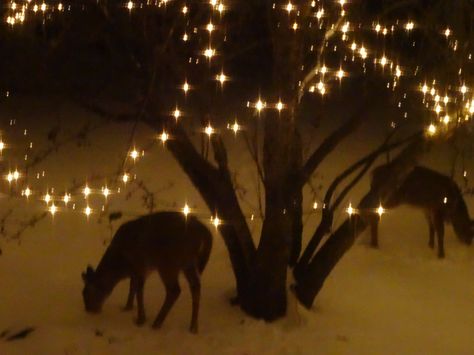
[205, 251]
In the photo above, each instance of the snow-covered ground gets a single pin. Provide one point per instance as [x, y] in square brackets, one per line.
[399, 299]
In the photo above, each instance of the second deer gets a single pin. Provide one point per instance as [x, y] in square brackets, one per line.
[437, 195]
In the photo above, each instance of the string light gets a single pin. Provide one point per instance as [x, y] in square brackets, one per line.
[47, 198]
[134, 154]
[185, 87]
[186, 210]
[176, 114]
[26, 192]
[216, 221]
[380, 210]
[87, 211]
[53, 209]
[86, 191]
[234, 127]
[163, 137]
[209, 130]
[125, 178]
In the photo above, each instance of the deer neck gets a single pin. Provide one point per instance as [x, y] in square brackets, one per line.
[109, 272]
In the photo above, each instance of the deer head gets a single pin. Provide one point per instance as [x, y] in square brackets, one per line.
[92, 293]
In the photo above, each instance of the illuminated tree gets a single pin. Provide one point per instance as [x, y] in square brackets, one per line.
[265, 72]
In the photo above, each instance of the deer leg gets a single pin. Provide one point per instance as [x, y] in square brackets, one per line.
[131, 295]
[140, 284]
[431, 226]
[374, 224]
[172, 293]
[192, 275]
[439, 227]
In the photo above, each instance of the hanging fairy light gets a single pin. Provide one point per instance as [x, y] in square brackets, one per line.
[186, 210]
[380, 210]
[87, 211]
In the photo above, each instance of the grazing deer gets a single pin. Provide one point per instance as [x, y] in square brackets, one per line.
[436, 194]
[167, 242]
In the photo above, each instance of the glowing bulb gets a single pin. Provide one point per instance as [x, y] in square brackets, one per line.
[53, 209]
[164, 137]
[320, 14]
[463, 89]
[125, 178]
[43, 7]
[234, 127]
[209, 130]
[186, 210]
[289, 7]
[9, 177]
[315, 206]
[447, 32]
[185, 87]
[176, 114]
[27, 192]
[280, 106]
[398, 72]
[445, 200]
[345, 27]
[16, 175]
[184, 10]
[321, 87]
[446, 119]
[88, 211]
[86, 191]
[409, 26]
[210, 27]
[424, 88]
[47, 198]
[134, 154]
[363, 52]
[209, 53]
[66, 198]
[106, 192]
[380, 210]
[222, 78]
[216, 221]
[350, 211]
[260, 105]
[432, 129]
[130, 5]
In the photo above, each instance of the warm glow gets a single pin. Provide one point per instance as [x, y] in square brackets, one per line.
[186, 210]
[380, 210]
[134, 154]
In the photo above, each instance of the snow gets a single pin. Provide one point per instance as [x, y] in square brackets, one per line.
[399, 299]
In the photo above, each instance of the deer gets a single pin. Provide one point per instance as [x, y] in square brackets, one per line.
[166, 242]
[436, 194]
